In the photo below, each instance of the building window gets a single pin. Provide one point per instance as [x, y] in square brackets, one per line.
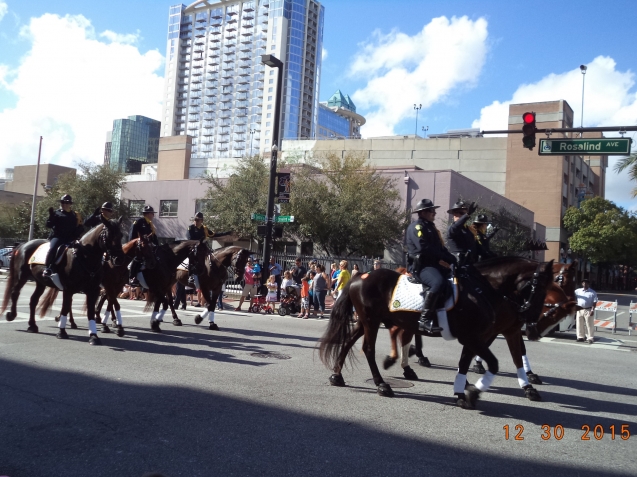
[271, 81]
[270, 90]
[168, 208]
[269, 106]
[269, 115]
[135, 207]
[271, 72]
[202, 204]
[565, 178]
[267, 124]
[269, 98]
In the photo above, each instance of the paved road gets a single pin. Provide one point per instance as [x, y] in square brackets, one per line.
[189, 402]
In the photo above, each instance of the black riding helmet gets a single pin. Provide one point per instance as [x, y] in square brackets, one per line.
[66, 199]
[107, 206]
[424, 204]
[148, 210]
[199, 215]
[482, 219]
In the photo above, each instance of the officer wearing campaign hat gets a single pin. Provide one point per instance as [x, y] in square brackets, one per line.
[142, 227]
[427, 259]
[483, 238]
[461, 238]
[198, 231]
[66, 226]
[106, 211]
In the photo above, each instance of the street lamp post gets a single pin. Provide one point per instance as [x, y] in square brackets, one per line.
[417, 108]
[251, 140]
[583, 69]
[35, 193]
[424, 130]
[272, 62]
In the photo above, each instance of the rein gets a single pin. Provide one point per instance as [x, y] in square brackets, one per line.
[524, 307]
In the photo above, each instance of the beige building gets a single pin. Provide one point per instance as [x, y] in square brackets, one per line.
[24, 178]
[547, 185]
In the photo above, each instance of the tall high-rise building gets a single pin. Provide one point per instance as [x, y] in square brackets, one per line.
[218, 91]
[133, 142]
[338, 118]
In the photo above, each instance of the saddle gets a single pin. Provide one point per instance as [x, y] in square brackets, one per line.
[39, 256]
[408, 294]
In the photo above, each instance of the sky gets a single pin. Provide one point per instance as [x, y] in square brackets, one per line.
[69, 67]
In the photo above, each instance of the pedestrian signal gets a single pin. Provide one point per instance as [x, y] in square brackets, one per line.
[528, 130]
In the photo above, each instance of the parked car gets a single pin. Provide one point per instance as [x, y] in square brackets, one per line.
[5, 257]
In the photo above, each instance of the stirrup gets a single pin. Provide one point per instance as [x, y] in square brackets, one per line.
[428, 326]
[47, 272]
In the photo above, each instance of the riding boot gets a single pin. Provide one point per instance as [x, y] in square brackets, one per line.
[48, 271]
[429, 318]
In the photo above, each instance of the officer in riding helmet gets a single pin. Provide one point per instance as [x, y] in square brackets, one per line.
[461, 238]
[105, 211]
[428, 258]
[142, 227]
[66, 226]
[483, 238]
[199, 231]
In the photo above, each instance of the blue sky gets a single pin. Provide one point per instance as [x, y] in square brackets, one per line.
[492, 50]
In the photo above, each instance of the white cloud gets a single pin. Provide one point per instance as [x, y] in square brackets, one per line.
[323, 54]
[124, 38]
[401, 70]
[70, 87]
[3, 9]
[608, 101]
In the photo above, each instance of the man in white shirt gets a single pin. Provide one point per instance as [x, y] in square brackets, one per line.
[586, 298]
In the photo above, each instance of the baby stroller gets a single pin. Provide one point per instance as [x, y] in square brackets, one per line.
[290, 302]
[258, 303]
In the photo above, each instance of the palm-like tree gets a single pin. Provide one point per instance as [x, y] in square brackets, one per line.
[629, 163]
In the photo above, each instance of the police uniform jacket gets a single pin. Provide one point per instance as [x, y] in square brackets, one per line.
[198, 233]
[142, 227]
[460, 238]
[66, 226]
[483, 247]
[423, 240]
[94, 220]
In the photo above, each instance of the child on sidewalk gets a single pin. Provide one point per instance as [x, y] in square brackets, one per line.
[272, 287]
[305, 298]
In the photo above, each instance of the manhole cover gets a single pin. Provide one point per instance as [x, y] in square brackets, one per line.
[270, 355]
[394, 383]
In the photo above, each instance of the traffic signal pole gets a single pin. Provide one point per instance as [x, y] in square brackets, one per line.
[620, 129]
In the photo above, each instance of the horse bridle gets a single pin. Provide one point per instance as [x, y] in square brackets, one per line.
[560, 278]
[533, 282]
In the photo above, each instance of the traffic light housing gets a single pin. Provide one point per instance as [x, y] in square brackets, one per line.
[528, 130]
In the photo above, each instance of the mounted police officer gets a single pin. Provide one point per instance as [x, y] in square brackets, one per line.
[141, 227]
[66, 226]
[105, 211]
[461, 239]
[428, 258]
[483, 238]
[198, 231]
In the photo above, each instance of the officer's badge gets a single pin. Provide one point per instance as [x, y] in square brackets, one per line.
[418, 227]
[396, 304]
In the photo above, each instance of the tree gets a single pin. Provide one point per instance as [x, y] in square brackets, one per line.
[629, 163]
[602, 231]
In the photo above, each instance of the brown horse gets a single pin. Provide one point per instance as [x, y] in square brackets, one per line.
[519, 286]
[213, 275]
[80, 271]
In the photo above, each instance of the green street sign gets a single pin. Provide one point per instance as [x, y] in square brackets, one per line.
[285, 218]
[258, 217]
[587, 147]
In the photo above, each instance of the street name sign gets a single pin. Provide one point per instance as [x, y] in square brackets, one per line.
[258, 217]
[587, 147]
[285, 219]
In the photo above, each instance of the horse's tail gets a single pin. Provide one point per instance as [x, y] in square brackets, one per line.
[10, 280]
[339, 329]
[47, 300]
[150, 300]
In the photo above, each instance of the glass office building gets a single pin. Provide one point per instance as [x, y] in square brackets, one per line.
[134, 141]
[217, 90]
[337, 118]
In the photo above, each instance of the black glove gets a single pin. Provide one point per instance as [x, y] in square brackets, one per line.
[51, 211]
[97, 211]
[472, 208]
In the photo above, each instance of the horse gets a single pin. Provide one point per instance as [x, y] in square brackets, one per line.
[80, 271]
[161, 279]
[519, 286]
[213, 275]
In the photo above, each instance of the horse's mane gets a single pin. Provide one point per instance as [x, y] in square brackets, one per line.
[221, 253]
[92, 235]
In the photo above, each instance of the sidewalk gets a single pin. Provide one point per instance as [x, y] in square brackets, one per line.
[232, 302]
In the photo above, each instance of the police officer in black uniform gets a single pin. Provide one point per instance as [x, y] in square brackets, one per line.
[142, 226]
[426, 252]
[199, 231]
[483, 238]
[66, 226]
[460, 238]
[105, 211]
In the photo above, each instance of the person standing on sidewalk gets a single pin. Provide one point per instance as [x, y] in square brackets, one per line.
[275, 271]
[249, 287]
[343, 278]
[320, 285]
[586, 298]
[299, 271]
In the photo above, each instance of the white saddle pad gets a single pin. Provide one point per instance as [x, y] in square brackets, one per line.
[183, 265]
[39, 257]
[407, 296]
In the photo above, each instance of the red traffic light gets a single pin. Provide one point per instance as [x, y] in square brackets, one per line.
[528, 130]
[528, 118]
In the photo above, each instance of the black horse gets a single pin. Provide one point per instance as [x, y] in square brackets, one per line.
[519, 287]
[80, 272]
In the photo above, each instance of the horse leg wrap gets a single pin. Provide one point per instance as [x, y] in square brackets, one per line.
[211, 316]
[118, 314]
[459, 384]
[485, 381]
[107, 317]
[92, 327]
[522, 379]
[62, 323]
[404, 359]
[160, 315]
[526, 363]
[153, 316]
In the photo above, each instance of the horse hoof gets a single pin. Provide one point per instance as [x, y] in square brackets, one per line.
[472, 395]
[385, 390]
[424, 361]
[98, 320]
[531, 393]
[10, 316]
[105, 329]
[177, 322]
[533, 378]
[62, 334]
[198, 319]
[94, 340]
[337, 380]
[462, 402]
[410, 374]
[57, 319]
[73, 326]
[389, 362]
[478, 368]
[120, 331]
[154, 326]
[412, 350]
[213, 327]
[33, 329]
